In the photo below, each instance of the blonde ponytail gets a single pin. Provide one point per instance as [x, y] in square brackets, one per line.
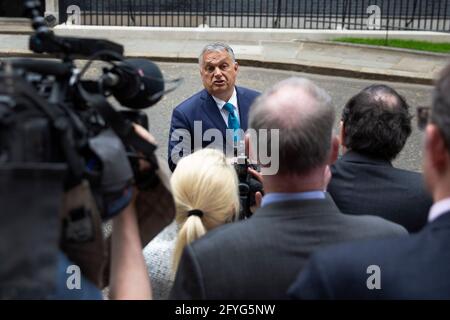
[191, 230]
[203, 181]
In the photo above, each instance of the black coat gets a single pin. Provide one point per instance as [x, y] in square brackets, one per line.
[364, 185]
[414, 267]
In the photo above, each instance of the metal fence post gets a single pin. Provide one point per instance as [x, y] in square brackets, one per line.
[52, 9]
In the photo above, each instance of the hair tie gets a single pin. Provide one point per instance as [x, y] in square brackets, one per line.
[195, 212]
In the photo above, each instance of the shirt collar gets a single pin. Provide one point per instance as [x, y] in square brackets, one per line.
[281, 196]
[233, 100]
[438, 209]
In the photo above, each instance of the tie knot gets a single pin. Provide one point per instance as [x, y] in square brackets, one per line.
[229, 107]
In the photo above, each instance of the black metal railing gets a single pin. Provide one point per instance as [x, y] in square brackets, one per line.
[430, 15]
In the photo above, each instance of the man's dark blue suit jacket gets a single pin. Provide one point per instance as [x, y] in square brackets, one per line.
[411, 267]
[202, 107]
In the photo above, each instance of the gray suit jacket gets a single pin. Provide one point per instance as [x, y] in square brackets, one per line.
[260, 257]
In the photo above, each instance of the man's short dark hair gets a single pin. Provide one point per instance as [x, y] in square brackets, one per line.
[440, 111]
[377, 122]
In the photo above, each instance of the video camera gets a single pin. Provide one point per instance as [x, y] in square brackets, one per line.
[248, 184]
[54, 124]
[70, 119]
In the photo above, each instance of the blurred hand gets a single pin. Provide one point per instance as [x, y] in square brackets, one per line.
[257, 175]
[258, 195]
[143, 133]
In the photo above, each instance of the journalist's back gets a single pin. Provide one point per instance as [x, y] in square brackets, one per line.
[374, 129]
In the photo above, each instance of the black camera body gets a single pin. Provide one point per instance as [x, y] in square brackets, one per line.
[248, 185]
[68, 158]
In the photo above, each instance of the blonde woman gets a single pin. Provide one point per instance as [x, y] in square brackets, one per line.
[205, 189]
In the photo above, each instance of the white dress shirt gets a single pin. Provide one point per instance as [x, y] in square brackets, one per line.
[438, 209]
[233, 100]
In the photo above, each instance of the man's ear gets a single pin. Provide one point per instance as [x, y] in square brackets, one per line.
[236, 66]
[334, 152]
[436, 148]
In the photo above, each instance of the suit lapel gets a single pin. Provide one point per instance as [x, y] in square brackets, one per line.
[244, 106]
[209, 108]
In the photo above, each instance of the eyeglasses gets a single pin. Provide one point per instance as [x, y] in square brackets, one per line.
[423, 116]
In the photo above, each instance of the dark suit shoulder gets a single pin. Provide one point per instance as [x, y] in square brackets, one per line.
[223, 236]
[341, 271]
[342, 166]
[361, 185]
[373, 226]
[192, 102]
[368, 249]
[409, 176]
[248, 92]
[413, 267]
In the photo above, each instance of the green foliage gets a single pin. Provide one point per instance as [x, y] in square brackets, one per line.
[442, 47]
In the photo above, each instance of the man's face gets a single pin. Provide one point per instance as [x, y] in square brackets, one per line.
[219, 74]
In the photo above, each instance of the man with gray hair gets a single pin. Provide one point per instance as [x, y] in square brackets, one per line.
[259, 257]
[220, 107]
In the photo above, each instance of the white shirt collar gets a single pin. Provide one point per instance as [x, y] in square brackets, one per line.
[438, 209]
[233, 100]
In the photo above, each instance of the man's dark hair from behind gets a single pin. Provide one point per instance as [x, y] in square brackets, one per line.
[376, 122]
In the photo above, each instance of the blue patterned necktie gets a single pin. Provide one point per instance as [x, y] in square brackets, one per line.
[233, 122]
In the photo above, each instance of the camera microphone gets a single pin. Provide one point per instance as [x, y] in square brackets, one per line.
[135, 83]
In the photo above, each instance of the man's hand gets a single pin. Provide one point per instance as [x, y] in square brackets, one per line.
[258, 195]
[140, 130]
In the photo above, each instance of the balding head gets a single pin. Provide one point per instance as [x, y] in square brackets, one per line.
[304, 115]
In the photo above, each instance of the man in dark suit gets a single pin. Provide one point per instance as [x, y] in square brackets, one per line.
[259, 257]
[220, 106]
[375, 126]
[414, 267]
